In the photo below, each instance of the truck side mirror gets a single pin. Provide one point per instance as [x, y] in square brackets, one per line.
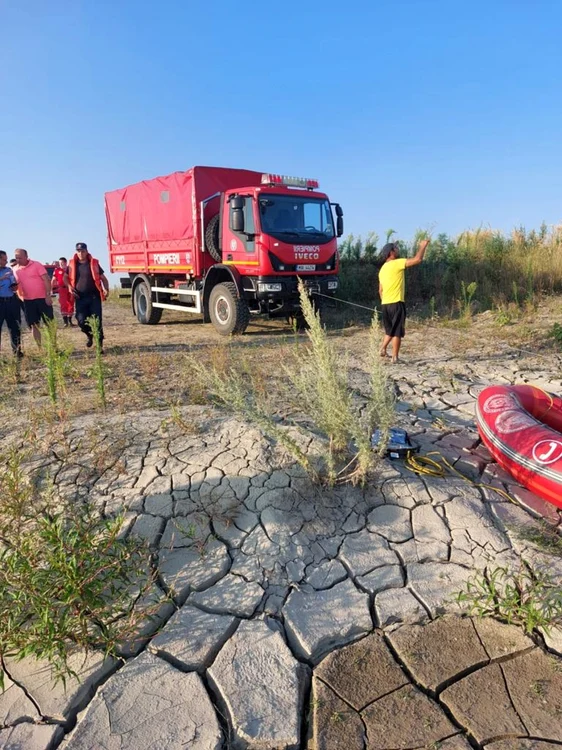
[237, 203]
[339, 226]
[339, 211]
[237, 220]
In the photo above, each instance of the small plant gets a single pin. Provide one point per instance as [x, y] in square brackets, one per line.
[515, 293]
[539, 687]
[503, 316]
[177, 420]
[555, 333]
[542, 535]
[526, 597]
[432, 310]
[382, 401]
[56, 362]
[67, 577]
[468, 291]
[99, 369]
[10, 376]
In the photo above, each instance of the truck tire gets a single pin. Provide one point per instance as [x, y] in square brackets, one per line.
[229, 313]
[212, 239]
[146, 313]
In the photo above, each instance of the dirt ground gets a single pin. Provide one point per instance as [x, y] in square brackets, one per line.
[148, 366]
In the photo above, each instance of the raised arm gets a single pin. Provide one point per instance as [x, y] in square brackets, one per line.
[418, 257]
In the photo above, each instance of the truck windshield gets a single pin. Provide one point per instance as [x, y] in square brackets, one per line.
[298, 218]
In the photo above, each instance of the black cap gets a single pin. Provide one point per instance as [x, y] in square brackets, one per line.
[81, 246]
[390, 247]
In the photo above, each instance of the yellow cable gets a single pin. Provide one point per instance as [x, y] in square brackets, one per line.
[423, 465]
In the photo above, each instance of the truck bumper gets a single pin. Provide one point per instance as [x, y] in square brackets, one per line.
[279, 295]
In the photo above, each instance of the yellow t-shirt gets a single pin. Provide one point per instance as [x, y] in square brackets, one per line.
[391, 278]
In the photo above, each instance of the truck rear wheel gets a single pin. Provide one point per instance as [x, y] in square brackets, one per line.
[229, 313]
[212, 239]
[146, 313]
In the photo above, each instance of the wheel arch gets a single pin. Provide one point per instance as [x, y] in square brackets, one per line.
[136, 279]
[217, 275]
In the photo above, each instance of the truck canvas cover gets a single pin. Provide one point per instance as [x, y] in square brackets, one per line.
[155, 225]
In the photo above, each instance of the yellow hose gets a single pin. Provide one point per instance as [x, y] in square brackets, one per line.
[425, 466]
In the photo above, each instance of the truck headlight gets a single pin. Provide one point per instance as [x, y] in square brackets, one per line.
[332, 285]
[263, 287]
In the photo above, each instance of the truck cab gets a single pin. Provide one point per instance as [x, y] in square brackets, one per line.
[272, 235]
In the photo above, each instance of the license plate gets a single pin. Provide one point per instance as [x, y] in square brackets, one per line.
[306, 268]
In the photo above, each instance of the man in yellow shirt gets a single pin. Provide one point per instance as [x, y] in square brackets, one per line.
[392, 292]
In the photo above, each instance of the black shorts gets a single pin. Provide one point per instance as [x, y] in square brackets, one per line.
[35, 310]
[394, 319]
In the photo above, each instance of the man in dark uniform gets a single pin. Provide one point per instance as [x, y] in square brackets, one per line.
[89, 286]
[9, 304]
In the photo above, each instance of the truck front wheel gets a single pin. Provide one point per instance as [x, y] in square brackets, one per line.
[146, 313]
[229, 313]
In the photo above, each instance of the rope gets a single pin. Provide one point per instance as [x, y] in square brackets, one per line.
[346, 302]
[425, 466]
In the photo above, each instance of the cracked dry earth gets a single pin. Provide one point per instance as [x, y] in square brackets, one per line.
[306, 618]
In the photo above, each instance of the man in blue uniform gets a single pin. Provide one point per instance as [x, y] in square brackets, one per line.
[9, 304]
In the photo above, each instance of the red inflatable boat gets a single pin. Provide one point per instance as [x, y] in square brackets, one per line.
[522, 428]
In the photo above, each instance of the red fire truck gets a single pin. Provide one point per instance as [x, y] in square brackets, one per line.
[226, 243]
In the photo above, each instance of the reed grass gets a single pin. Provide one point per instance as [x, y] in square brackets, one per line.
[516, 268]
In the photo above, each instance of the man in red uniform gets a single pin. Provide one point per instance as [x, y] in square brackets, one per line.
[89, 286]
[66, 300]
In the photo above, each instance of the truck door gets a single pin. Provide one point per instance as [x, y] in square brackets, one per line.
[240, 247]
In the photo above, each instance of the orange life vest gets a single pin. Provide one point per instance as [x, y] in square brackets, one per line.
[94, 268]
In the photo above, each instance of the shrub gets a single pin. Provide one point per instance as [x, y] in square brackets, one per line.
[67, 577]
[320, 387]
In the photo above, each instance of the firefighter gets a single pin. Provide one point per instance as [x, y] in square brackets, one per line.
[89, 287]
[66, 300]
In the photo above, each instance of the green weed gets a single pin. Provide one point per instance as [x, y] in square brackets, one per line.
[67, 577]
[382, 401]
[555, 333]
[55, 358]
[503, 316]
[542, 535]
[468, 291]
[526, 597]
[99, 368]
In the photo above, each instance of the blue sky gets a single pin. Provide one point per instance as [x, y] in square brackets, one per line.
[409, 112]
